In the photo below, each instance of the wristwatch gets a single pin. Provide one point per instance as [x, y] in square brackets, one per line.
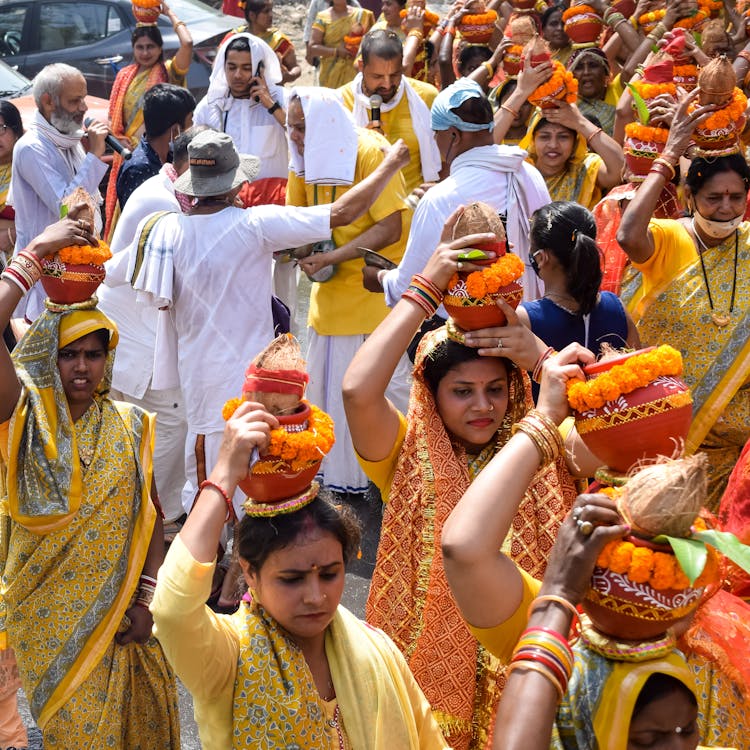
[273, 108]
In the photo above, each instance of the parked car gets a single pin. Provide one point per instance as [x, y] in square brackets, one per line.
[17, 88]
[94, 36]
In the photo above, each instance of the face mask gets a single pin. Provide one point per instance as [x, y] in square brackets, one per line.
[717, 230]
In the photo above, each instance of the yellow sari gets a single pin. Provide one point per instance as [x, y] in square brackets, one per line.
[578, 182]
[667, 298]
[337, 71]
[77, 523]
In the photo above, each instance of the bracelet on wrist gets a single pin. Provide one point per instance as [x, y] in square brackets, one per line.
[208, 484]
[536, 374]
[543, 433]
[593, 135]
[273, 108]
[512, 112]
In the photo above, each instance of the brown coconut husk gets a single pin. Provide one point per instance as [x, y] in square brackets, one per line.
[79, 195]
[537, 52]
[283, 353]
[665, 497]
[717, 81]
[478, 218]
[521, 30]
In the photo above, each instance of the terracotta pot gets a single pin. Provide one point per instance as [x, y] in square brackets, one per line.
[477, 33]
[622, 609]
[524, 5]
[68, 283]
[512, 65]
[584, 28]
[273, 479]
[146, 15]
[640, 155]
[626, 7]
[484, 313]
[716, 140]
[648, 422]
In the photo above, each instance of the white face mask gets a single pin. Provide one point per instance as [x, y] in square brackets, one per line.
[717, 230]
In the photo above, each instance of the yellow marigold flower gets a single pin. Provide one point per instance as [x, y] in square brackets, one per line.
[85, 254]
[680, 579]
[605, 555]
[641, 564]
[619, 560]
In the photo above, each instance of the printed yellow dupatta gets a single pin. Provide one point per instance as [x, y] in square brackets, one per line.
[77, 534]
[276, 704]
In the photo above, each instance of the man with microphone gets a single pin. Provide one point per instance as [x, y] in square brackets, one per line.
[383, 99]
[56, 155]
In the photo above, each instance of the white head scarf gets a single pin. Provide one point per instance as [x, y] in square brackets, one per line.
[218, 88]
[330, 139]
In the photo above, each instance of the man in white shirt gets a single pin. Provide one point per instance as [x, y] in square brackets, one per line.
[479, 171]
[212, 270]
[49, 161]
[246, 101]
[135, 369]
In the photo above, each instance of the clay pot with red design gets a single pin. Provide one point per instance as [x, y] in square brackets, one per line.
[639, 157]
[583, 28]
[524, 6]
[648, 422]
[625, 610]
[70, 283]
[146, 15]
[271, 478]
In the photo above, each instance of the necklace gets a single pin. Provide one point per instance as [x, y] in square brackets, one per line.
[550, 296]
[720, 321]
[335, 723]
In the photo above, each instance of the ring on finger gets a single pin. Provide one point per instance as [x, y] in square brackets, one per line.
[460, 265]
[585, 527]
[499, 343]
[576, 513]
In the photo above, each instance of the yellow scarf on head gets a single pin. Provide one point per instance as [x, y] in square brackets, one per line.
[5, 170]
[277, 705]
[44, 473]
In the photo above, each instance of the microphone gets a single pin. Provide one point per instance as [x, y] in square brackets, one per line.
[112, 142]
[376, 101]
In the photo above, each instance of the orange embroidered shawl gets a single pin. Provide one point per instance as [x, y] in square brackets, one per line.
[409, 595]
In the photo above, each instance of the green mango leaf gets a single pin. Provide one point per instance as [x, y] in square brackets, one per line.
[63, 211]
[640, 106]
[473, 255]
[691, 554]
[728, 545]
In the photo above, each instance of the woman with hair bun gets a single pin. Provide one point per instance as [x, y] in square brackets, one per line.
[565, 256]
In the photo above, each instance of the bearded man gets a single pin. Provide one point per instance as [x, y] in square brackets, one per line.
[50, 162]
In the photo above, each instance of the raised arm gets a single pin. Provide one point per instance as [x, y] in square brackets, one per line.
[529, 79]
[485, 583]
[21, 270]
[634, 236]
[356, 201]
[372, 419]
[184, 54]
[248, 428]
[529, 703]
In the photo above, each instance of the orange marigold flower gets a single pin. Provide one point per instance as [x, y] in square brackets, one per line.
[641, 564]
[711, 572]
[230, 407]
[562, 84]
[475, 285]
[645, 133]
[680, 581]
[663, 576]
[732, 114]
[620, 558]
[96, 255]
[505, 270]
[649, 90]
[606, 554]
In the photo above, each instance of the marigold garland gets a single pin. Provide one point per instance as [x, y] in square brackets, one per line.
[731, 114]
[94, 255]
[429, 19]
[298, 449]
[578, 10]
[635, 372]
[648, 90]
[562, 85]
[660, 570]
[692, 21]
[711, 6]
[479, 19]
[685, 71]
[147, 3]
[645, 133]
[650, 19]
[505, 270]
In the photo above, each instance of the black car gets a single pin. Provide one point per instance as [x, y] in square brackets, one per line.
[94, 36]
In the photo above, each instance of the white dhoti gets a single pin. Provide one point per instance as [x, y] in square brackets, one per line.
[327, 360]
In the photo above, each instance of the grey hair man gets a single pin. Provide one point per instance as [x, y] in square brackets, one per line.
[49, 160]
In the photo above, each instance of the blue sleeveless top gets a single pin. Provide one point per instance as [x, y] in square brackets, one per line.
[558, 328]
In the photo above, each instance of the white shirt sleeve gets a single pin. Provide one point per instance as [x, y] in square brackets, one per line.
[281, 227]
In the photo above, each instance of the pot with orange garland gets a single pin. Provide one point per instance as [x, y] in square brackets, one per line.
[521, 30]
[73, 274]
[524, 6]
[633, 407]
[147, 12]
[478, 25]
[583, 24]
[276, 378]
[471, 297]
[560, 86]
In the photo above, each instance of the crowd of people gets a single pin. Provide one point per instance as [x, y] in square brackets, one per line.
[128, 555]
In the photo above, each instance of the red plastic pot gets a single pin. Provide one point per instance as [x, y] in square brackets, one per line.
[68, 283]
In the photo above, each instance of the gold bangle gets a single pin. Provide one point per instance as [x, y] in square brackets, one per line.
[487, 65]
[179, 23]
[557, 600]
[510, 111]
[525, 664]
[593, 135]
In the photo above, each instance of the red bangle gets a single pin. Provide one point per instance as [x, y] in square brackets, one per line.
[207, 483]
